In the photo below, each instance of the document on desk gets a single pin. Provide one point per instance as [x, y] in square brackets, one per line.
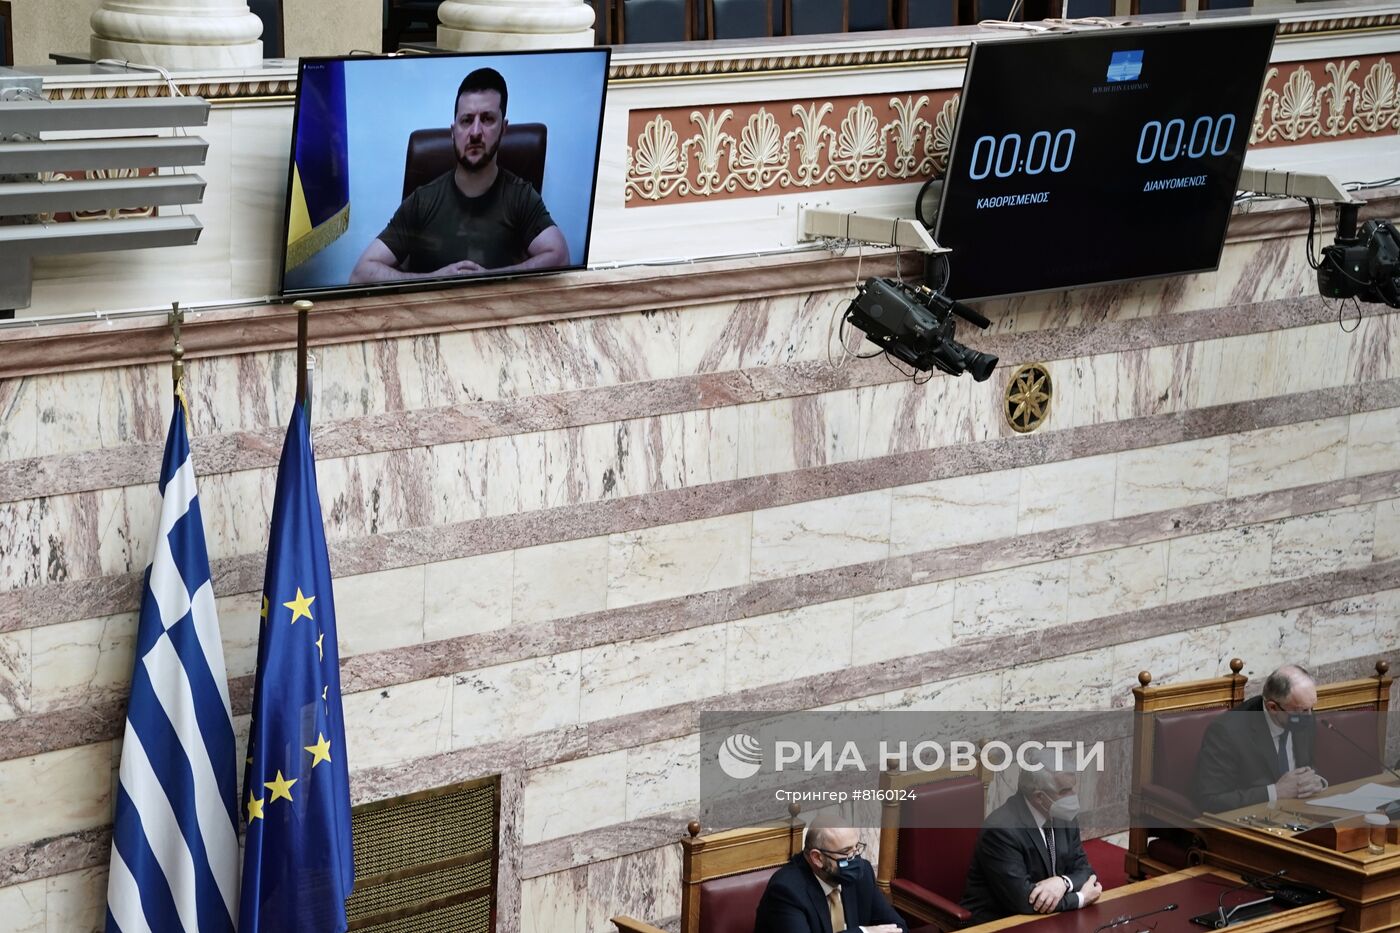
[1362, 800]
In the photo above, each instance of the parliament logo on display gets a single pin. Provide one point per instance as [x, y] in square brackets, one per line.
[1125, 66]
[740, 756]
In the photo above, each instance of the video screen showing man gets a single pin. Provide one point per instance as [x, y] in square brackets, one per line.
[1029, 857]
[1263, 751]
[477, 218]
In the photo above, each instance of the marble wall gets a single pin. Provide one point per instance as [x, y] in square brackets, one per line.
[557, 543]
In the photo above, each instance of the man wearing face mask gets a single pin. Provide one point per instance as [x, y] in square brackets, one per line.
[1248, 758]
[826, 888]
[1029, 858]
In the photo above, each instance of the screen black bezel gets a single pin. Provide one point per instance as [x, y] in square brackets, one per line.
[1127, 32]
[405, 285]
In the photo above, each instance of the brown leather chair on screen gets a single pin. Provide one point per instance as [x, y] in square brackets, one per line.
[430, 154]
[723, 876]
[925, 845]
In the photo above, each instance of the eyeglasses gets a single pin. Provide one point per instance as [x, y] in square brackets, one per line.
[855, 852]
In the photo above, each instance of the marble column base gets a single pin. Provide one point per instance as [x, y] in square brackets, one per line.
[505, 25]
[178, 34]
[180, 57]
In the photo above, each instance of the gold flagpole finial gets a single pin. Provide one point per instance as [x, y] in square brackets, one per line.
[177, 352]
[177, 360]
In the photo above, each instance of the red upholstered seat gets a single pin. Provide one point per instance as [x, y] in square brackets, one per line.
[1176, 744]
[728, 905]
[1107, 860]
[935, 842]
[1336, 758]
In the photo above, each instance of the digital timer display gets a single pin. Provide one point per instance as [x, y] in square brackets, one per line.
[1102, 156]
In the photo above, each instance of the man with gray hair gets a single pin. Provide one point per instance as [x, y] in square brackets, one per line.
[1029, 858]
[826, 888]
[1247, 758]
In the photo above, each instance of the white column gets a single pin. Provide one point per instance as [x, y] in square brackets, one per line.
[178, 34]
[503, 25]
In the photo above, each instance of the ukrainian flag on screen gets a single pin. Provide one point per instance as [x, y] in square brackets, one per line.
[320, 209]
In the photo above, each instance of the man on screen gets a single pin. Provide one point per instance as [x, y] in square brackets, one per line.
[476, 218]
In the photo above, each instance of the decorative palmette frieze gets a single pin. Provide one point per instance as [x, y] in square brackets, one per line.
[1328, 100]
[790, 145]
[684, 155]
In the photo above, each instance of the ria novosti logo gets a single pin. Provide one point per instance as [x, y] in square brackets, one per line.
[740, 756]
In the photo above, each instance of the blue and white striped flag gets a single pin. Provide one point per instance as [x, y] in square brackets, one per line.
[175, 840]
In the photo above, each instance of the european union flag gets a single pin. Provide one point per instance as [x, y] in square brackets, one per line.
[298, 866]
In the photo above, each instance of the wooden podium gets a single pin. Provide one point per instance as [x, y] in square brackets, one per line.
[1259, 840]
[1195, 891]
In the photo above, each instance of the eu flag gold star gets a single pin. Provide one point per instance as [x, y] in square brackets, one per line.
[301, 606]
[320, 651]
[280, 787]
[320, 752]
[264, 609]
[255, 807]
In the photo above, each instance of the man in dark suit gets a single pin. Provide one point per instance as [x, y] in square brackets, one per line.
[1029, 858]
[826, 888]
[1262, 751]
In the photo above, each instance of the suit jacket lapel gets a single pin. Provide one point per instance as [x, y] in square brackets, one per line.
[819, 904]
[1037, 838]
[1266, 745]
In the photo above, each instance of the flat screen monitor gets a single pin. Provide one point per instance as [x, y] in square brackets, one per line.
[1095, 157]
[425, 170]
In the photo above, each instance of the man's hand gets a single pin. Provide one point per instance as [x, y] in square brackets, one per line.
[1298, 783]
[1047, 894]
[464, 267]
[1090, 892]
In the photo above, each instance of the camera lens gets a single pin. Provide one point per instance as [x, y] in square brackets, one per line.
[980, 365]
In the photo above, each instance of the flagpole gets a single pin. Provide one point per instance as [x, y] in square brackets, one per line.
[177, 352]
[303, 312]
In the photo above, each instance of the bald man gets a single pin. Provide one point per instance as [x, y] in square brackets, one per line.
[1263, 751]
[826, 888]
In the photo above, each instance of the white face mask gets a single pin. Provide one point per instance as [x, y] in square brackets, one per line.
[1065, 808]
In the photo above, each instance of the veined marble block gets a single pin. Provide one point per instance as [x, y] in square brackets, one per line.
[1022, 600]
[673, 560]
[1292, 455]
[515, 699]
[575, 796]
[821, 534]
[1072, 492]
[949, 512]
[1220, 562]
[1172, 476]
[631, 676]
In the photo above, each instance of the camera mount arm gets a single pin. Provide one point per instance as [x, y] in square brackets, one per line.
[1294, 185]
[902, 232]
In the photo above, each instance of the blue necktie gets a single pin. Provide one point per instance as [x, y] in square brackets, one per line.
[1283, 755]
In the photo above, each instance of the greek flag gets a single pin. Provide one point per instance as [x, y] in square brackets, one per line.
[174, 839]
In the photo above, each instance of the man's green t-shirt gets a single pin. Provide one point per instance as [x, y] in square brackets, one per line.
[437, 224]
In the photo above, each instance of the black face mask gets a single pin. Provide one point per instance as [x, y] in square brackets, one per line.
[847, 870]
[1297, 722]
